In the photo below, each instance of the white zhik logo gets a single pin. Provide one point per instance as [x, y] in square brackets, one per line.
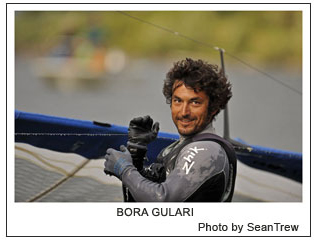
[189, 158]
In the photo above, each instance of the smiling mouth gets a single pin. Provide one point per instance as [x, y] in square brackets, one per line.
[185, 121]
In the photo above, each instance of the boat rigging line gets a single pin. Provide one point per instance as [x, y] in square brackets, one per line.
[58, 183]
[210, 46]
[80, 134]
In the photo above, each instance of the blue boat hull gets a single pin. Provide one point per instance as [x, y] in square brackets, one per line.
[91, 140]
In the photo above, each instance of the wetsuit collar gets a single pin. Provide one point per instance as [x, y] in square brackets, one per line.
[208, 129]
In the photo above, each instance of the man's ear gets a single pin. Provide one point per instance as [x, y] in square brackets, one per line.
[214, 113]
[211, 116]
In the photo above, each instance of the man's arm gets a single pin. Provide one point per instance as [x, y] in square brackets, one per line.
[197, 163]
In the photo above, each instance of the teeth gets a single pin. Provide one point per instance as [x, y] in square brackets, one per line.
[186, 121]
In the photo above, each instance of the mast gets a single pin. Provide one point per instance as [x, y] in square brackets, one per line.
[226, 119]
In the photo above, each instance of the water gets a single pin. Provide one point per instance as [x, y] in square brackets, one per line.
[261, 111]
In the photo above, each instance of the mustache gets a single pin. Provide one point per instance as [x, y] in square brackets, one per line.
[186, 117]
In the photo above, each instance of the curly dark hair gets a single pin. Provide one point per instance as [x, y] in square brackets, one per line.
[199, 76]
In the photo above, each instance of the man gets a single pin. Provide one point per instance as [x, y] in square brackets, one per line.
[201, 166]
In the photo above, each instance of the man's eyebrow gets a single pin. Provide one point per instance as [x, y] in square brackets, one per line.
[196, 98]
[175, 96]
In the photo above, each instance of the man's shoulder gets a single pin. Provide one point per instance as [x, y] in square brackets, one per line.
[206, 155]
[203, 149]
[207, 145]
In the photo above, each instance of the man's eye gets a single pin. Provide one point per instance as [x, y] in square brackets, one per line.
[196, 102]
[177, 100]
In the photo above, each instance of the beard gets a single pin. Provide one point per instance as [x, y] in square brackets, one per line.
[188, 126]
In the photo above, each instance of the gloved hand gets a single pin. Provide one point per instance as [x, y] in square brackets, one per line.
[142, 131]
[116, 162]
[156, 172]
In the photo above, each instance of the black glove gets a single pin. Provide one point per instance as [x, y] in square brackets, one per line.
[156, 172]
[141, 131]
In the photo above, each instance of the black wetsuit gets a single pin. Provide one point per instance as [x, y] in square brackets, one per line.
[201, 169]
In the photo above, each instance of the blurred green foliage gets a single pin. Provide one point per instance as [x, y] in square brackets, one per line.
[267, 37]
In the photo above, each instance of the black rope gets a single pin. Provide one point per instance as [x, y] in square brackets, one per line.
[211, 46]
[264, 73]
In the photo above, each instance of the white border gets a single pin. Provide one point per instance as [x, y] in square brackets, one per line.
[99, 219]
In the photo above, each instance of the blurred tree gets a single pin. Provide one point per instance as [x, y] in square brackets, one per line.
[266, 37]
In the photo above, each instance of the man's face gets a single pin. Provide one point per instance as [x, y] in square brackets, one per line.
[189, 110]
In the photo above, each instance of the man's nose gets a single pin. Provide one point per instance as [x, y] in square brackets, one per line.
[185, 109]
